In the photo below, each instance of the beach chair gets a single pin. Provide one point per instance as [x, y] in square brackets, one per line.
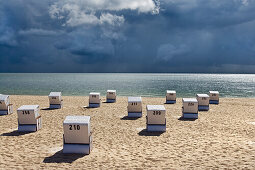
[156, 118]
[214, 97]
[134, 107]
[170, 97]
[77, 136]
[203, 102]
[111, 96]
[94, 100]
[55, 99]
[189, 108]
[29, 119]
[5, 106]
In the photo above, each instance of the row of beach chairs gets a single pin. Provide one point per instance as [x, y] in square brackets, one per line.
[77, 137]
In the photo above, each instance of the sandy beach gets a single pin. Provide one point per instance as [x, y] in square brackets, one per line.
[223, 137]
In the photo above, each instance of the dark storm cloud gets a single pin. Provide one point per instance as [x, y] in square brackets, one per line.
[127, 36]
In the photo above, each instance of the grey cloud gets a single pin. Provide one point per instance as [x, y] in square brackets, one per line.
[127, 36]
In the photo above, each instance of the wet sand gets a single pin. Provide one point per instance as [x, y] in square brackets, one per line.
[223, 137]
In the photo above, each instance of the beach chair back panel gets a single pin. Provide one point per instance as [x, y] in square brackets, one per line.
[77, 129]
[94, 98]
[203, 99]
[134, 104]
[111, 94]
[214, 95]
[4, 102]
[190, 106]
[28, 115]
[156, 114]
[55, 99]
[170, 95]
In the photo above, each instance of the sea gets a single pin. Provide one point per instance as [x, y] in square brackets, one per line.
[128, 84]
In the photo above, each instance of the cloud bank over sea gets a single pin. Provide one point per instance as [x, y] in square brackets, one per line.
[127, 36]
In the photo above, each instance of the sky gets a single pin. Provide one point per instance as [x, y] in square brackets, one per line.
[202, 36]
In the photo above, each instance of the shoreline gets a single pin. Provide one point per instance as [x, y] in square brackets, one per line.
[104, 96]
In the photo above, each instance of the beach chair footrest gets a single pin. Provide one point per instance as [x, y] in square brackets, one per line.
[94, 105]
[134, 114]
[156, 128]
[27, 128]
[203, 108]
[77, 148]
[56, 106]
[110, 100]
[190, 115]
[214, 101]
[170, 101]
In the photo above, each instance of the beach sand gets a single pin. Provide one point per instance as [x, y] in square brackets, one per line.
[223, 137]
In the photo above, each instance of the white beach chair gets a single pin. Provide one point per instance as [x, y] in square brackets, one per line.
[170, 97]
[134, 107]
[214, 97]
[156, 118]
[111, 96]
[77, 135]
[29, 118]
[55, 99]
[94, 99]
[5, 106]
[203, 102]
[189, 108]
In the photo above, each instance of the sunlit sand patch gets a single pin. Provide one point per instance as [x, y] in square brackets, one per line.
[55, 149]
[252, 123]
[176, 117]
[251, 143]
[140, 128]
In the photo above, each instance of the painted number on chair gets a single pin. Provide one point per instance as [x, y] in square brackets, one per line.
[190, 104]
[133, 104]
[25, 112]
[74, 127]
[156, 112]
[54, 98]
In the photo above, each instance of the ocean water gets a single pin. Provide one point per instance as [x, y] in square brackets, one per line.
[155, 85]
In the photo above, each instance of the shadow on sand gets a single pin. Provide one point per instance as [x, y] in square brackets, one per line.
[49, 108]
[59, 157]
[129, 118]
[15, 133]
[185, 119]
[144, 132]
[87, 107]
